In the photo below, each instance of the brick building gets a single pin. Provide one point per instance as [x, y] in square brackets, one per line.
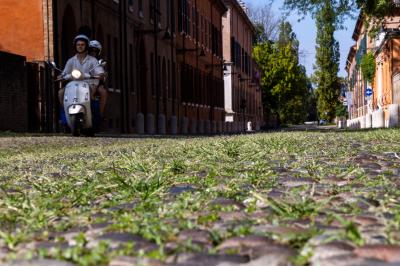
[165, 57]
[242, 90]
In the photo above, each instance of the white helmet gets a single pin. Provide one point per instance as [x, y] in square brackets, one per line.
[96, 44]
[81, 37]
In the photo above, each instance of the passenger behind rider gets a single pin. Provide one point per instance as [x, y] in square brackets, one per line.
[82, 61]
[95, 49]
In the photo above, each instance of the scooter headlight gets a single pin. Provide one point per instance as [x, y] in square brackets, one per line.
[76, 74]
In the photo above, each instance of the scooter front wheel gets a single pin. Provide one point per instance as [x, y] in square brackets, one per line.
[76, 122]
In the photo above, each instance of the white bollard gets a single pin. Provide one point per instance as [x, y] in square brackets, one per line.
[161, 124]
[219, 127]
[184, 125]
[214, 127]
[378, 119]
[393, 115]
[193, 127]
[139, 123]
[174, 125]
[150, 128]
[362, 122]
[207, 127]
[200, 127]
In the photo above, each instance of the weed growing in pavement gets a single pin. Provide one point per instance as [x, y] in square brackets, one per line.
[56, 184]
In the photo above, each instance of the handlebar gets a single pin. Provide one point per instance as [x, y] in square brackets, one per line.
[64, 79]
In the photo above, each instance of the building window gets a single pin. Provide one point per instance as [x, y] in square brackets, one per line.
[116, 65]
[140, 8]
[152, 72]
[173, 80]
[109, 62]
[155, 10]
[173, 26]
[131, 70]
[169, 80]
[130, 5]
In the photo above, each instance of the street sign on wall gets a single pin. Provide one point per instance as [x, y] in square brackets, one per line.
[369, 91]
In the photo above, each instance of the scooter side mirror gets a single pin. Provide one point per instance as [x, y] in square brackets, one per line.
[53, 65]
[102, 62]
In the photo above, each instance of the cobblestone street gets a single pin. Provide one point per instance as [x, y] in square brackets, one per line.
[282, 198]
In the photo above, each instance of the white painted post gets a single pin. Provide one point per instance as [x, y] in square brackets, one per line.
[150, 124]
[193, 126]
[185, 125]
[200, 127]
[378, 120]
[140, 123]
[393, 115]
[174, 125]
[162, 124]
[362, 122]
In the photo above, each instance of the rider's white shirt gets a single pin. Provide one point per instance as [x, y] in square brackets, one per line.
[89, 65]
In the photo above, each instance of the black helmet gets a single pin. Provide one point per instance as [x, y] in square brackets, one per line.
[81, 37]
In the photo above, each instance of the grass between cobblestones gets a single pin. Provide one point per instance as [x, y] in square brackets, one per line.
[157, 188]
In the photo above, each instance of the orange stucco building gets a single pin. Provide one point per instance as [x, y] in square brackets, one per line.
[386, 84]
[25, 29]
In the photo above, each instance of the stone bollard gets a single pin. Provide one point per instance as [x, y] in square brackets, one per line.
[342, 124]
[228, 127]
[348, 123]
[200, 127]
[368, 120]
[219, 127]
[185, 125]
[174, 125]
[139, 123]
[193, 127]
[150, 124]
[207, 127]
[249, 126]
[162, 124]
[362, 122]
[393, 115]
[378, 119]
[214, 127]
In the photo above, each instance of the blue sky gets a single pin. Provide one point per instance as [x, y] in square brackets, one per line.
[306, 33]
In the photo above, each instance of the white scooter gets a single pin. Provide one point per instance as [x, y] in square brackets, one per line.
[77, 101]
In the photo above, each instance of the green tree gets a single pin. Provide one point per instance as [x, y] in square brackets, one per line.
[368, 67]
[327, 63]
[284, 81]
[344, 8]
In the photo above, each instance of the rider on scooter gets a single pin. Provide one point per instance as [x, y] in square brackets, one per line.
[95, 49]
[82, 61]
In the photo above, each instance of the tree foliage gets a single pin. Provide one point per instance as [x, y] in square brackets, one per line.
[284, 81]
[368, 67]
[343, 8]
[265, 22]
[327, 63]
